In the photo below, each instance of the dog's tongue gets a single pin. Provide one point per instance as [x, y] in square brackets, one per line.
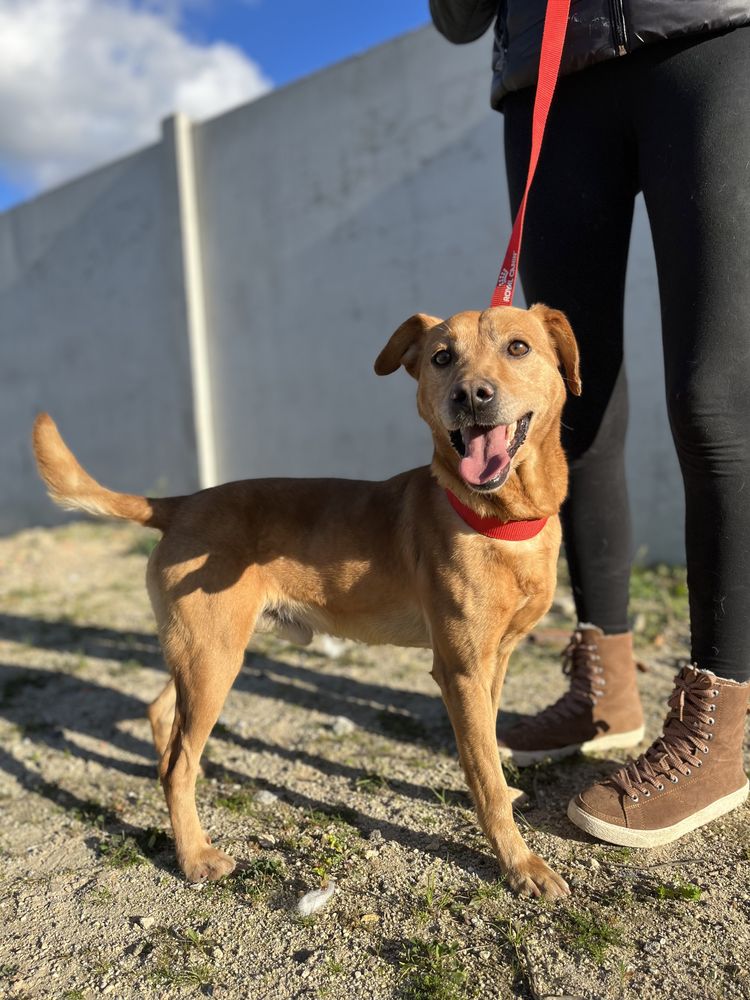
[486, 453]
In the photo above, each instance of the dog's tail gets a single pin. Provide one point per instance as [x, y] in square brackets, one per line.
[73, 488]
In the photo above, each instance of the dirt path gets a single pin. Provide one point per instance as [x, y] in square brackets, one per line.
[91, 903]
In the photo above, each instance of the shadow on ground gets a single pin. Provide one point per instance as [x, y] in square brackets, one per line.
[54, 708]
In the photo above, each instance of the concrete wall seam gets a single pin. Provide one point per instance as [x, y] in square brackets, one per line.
[177, 131]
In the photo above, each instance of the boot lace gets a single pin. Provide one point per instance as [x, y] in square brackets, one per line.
[582, 664]
[683, 744]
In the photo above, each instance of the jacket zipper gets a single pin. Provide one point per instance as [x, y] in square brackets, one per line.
[618, 28]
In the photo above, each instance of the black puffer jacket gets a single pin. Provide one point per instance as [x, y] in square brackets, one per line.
[597, 30]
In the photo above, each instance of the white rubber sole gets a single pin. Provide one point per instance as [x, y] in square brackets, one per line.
[615, 741]
[621, 835]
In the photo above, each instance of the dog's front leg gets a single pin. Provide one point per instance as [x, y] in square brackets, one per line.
[471, 696]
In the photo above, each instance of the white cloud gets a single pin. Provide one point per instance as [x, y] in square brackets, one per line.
[83, 81]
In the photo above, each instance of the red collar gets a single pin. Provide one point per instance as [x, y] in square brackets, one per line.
[493, 527]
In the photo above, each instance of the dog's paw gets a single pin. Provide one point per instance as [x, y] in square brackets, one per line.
[534, 877]
[208, 865]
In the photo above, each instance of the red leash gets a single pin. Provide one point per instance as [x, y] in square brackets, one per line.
[553, 36]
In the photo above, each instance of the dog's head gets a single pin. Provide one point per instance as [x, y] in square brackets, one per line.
[490, 385]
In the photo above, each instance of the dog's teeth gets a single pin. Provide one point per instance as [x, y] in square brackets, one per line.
[512, 430]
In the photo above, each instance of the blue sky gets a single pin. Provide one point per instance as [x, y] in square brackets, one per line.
[292, 38]
[119, 55]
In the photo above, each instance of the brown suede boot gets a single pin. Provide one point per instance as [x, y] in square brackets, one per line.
[601, 711]
[688, 777]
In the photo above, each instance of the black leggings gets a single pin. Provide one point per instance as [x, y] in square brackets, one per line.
[673, 121]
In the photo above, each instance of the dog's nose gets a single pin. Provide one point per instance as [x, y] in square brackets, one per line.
[472, 396]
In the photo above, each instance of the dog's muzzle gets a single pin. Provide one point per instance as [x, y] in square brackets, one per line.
[487, 452]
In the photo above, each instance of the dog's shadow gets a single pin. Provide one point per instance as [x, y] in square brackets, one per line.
[63, 713]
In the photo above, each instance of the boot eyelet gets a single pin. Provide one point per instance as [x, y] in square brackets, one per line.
[705, 749]
[660, 788]
[710, 736]
[712, 722]
[698, 763]
[673, 779]
[715, 692]
[688, 771]
[633, 798]
[712, 708]
[647, 794]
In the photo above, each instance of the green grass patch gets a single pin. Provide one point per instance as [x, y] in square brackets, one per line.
[241, 803]
[513, 934]
[91, 813]
[259, 877]
[324, 839]
[101, 896]
[432, 970]
[617, 855]
[370, 782]
[434, 899]
[252, 882]
[119, 851]
[182, 958]
[588, 933]
[660, 594]
[679, 890]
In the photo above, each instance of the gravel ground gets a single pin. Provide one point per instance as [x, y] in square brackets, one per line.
[331, 766]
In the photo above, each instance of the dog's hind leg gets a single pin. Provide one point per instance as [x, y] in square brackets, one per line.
[204, 663]
[161, 716]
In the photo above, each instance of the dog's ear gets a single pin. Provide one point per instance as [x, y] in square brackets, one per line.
[560, 333]
[405, 346]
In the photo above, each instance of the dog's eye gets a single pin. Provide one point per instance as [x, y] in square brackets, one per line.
[517, 348]
[442, 358]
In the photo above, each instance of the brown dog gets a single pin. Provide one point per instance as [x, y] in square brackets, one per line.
[388, 562]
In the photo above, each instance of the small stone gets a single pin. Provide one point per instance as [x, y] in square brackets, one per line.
[265, 798]
[369, 918]
[146, 922]
[372, 853]
[267, 840]
[592, 864]
[484, 955]
[375, 837]
[217, 953]
[342, 726]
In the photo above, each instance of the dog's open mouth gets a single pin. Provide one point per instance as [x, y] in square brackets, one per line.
[487, 452]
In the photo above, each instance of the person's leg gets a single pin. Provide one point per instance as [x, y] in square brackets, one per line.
[693, 128]
[694, 140]
[574, 256]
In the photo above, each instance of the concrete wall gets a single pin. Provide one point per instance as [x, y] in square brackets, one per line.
[327, 213]
[92, 330]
